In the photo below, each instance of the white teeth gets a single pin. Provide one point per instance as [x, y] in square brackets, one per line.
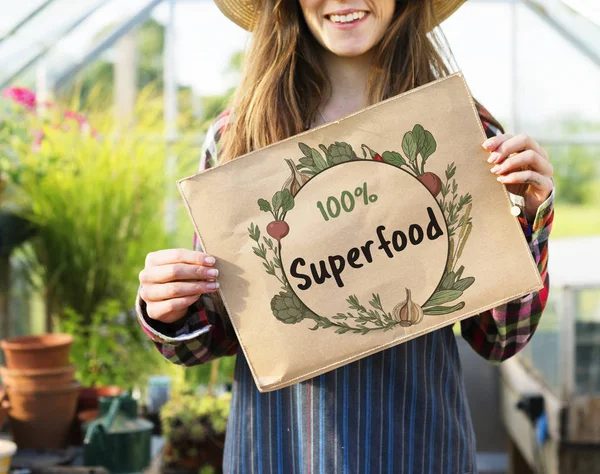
[350, 17]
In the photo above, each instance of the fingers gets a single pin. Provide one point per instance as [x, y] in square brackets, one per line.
[177, 272]
[171, 256]
[169, 291]
[502, 146]
[528, 159]
[542, 183]
[169, 311]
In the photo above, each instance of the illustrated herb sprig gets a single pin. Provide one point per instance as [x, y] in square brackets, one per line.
[457, 211]
[261, 250]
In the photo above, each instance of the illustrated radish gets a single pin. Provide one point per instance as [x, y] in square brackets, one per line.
[432, 182]
[278, 230]
[374, 155]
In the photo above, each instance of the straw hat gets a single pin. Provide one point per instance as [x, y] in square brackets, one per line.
[243, 12]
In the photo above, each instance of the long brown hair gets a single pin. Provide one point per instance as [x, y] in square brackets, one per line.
[284, 80]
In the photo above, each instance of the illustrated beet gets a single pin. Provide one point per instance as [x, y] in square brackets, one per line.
[432, 182]
[278, 229]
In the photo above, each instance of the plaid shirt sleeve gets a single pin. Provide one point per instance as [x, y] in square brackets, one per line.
[501, 332]
[204, 333]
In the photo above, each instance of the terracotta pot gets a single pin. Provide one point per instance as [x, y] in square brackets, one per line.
[3, 406]
[41, 418]
[38, 378]
[37, 352]
[89, 396]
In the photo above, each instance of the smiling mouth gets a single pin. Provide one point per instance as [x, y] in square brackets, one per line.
[347, 18]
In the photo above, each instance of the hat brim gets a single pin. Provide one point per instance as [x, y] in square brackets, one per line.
[243, 12]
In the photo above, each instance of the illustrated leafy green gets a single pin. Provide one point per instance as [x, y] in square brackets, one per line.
[409, 146]
[277, 199]
[264, 205]
[287, 200]
[418, 134]
[393, 158]
[429, 146]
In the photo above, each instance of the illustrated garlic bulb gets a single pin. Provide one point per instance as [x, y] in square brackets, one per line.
[296, 179]
[408, 313]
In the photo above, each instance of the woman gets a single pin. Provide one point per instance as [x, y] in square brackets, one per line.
[404, 409]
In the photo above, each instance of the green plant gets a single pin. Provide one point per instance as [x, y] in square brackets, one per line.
[194, 430]
[96, 198]
[109, 349]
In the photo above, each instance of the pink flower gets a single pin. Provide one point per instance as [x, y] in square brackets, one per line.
[21, 96]
[38, 136]
[79, 118]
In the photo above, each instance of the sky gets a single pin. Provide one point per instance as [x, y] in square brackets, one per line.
[553, 78]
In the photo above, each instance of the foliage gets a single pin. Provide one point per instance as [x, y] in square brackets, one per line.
[96, 197]
[190, 422]
[110, 349]
[576, 221]
[576, 173]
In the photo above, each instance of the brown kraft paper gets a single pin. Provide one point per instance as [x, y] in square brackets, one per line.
[361, 234]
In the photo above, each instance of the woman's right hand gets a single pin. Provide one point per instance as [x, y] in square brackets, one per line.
[173, 280]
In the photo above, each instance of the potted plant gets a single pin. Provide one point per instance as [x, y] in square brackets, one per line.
[194, 430]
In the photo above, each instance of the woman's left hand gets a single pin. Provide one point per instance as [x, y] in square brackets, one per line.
[524, 167]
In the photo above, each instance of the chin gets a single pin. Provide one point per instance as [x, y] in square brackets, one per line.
[349, 51]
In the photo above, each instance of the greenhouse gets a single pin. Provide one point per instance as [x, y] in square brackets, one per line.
[106, 104]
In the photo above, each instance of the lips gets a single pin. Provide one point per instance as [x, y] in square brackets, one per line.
[346, 17]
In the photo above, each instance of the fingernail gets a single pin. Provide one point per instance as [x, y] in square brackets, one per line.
[209, 260]
[500, 179]
[213, 272]
[489, 143]
[213, 286]
[495, 169]
[494, 157]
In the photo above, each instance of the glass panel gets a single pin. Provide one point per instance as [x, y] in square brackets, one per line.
[587, 343]
[554, 92]
[40, 33]
[542, 354]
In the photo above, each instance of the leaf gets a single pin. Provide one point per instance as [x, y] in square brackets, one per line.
[277, 199]
[320, 163]
[264, 205]
[252, 231]
[460, 272]
[447, 281]
[429, 146]
[443, 296]
[341, 152]
[462, 285]
[409, 145]
[287, 200]
[440, 310]
[418, 133]
[328, 157]
[394, 158]
[308, 162]
[342, 330]
[306, 150]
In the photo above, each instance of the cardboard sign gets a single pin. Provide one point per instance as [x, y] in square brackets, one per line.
[361, 234]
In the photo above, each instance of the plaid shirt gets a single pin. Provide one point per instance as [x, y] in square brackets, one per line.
[375, 406]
